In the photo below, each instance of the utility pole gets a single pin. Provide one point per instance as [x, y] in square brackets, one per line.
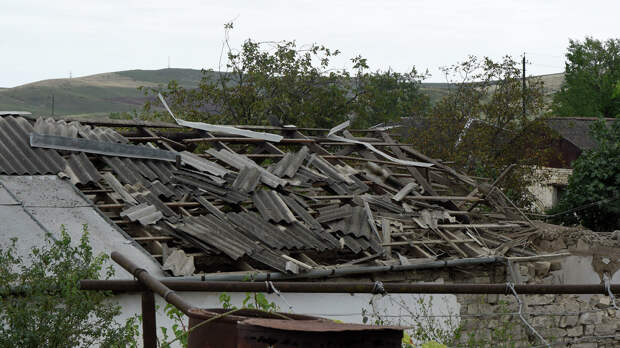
[52, 105]
[168, 62]
[523, 93]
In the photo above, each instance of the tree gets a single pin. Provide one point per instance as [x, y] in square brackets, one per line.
[41, 305]
[591, 79]
[593, 194]
[279, 82]
[480, 126]
[388, 96]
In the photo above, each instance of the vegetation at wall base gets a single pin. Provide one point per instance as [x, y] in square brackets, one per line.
[41, 305]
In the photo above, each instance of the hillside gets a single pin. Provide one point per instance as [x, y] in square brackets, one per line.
[98, 95]
[92, 95]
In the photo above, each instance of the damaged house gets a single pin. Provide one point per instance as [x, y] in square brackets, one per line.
[197, 201]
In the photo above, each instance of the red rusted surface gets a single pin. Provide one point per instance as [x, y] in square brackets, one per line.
[256, 329]
[313, 325]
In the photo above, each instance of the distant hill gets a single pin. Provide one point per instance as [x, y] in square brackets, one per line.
[92, 95]
[101, 94]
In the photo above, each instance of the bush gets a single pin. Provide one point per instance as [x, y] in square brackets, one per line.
[593, 194]
[41, 305]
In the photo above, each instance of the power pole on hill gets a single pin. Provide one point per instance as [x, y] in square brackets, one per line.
[52, 105]
[523, 93]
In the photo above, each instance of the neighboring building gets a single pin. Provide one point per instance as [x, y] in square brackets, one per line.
[573, 139]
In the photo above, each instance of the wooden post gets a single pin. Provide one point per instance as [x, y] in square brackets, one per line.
[149, 322]
[386, 229]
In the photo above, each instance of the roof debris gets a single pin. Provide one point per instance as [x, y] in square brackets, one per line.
[314, 200]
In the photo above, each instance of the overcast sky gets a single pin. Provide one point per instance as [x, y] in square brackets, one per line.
[49, 39]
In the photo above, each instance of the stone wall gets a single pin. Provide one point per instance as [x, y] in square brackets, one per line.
[563, 320]
[579, 321]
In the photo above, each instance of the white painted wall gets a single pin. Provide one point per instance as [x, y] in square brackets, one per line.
[545, 190]
[32, 205]
[344, 307]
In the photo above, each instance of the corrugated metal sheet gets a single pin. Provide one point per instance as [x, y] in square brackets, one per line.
[49, 126]
[81, 170]
[291, 162]
[247, 180]
[16, 155]
[144, 213]
[272, 207]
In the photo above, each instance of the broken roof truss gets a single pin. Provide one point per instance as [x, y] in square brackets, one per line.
[311, 200]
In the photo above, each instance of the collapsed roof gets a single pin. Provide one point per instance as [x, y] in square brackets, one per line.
[207, 198]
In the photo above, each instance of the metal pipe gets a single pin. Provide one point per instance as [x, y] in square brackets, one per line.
[351, 287]
[347, 271]
[152, 283]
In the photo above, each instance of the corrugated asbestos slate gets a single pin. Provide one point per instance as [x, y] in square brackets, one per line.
[102, 134]
[16, 155]
[49, 126]
[150, 198]
[272, 207]
[207, 184]
[258, 229]
[226, 238]
[125, 169]
[302, 213]
[384, 202]
[81, 170]
[357, 223]
[331, 213]
[203, 164]
[247, 180]
[144, 213]
[239, 161]
[291, 162]
[329, 170]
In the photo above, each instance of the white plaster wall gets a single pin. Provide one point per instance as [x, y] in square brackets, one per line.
[397, 308]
